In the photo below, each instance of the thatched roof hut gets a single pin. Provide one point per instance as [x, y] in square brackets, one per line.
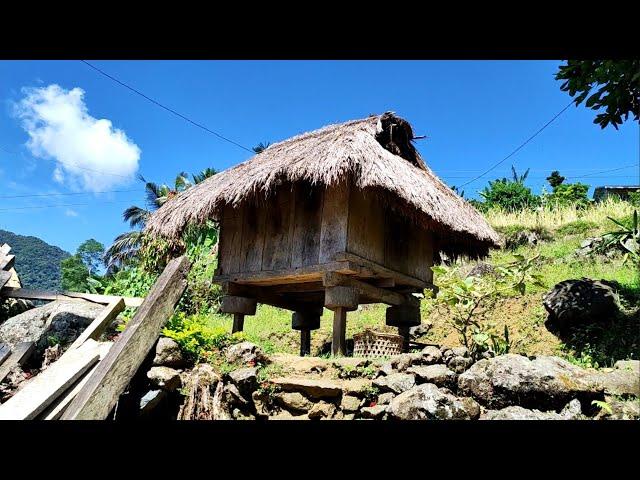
[375, 153]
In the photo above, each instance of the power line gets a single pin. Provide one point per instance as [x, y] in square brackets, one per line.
[55, 206]
[167, 108]
[605, 171]
[71, 164]
[65, 194]
[521, 145]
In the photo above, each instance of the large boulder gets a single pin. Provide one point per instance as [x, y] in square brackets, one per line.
[427, 401]
[57, 322]
[545, 382]
[246, 379]
[313, 388]
[578, 302]
[168, 354]
[437, 374]
[246, 353]
[396, 382]
[164, 378]
[571, 412]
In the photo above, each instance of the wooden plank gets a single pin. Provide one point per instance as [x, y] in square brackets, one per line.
[253, 230]
[100, 323]
[5, 249]
[305, 243]
[31, 294]
[7, 261]
[332, 279]
[101, 392]
[19, 355]
[366, 225]
[46, 387]
[57, 408]
[230, 240]
[396, 247]
[335, 221]
[4, 278]
[5, 351]
[265, 295]
[277, 248]
[381, 271]
[420, 255]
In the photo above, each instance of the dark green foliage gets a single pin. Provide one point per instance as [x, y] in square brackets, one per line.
[37, 262]
[570, 193]
[91, 252]
[512, 230]
[579, 227]
[617, 83]
[508, 195]
[203, 175]
[261, 147]
[555, 179]
[634, 198]
[74, 274]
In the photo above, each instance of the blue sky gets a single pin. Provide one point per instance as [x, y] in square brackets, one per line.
[474, 113]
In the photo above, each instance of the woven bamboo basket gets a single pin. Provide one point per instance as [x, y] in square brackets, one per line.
[370, 344]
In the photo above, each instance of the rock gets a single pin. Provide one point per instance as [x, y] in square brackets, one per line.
[151, 400]
[447, 354]
[523, 237]
[420, 330]
[246, 379]
[322, 410]
[376, 411]
[293, 401]
[310, 387]
[621, 409]
[439, 375]
[396, 382]
[261, 403]
[237, 414]
[231, 396]
[631, 365]
[245, 353]
[349, 403]
[573, 410]
[301, 365]
[356, 387]
[579, 302]
[426, 402]
[57, 322]
[588, 246]
[545, 382]
[404, 361]
[385, 398]
[459, 364]
[431, 355]
[350, 362]
[460, 351]
[169, 354]
[385, 369]
[482, 269]
[348, 416]
[520, 413]
[165, 378]
[284, 415]
[621, 382]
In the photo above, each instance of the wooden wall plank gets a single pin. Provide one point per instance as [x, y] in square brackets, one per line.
[366, 225]
[277, 241]
[7, 261]
[100, 323]
[230, 240]
[5, 351]
[420, 255]
[4, 278]
[396, 243]
[100, 394]
[335, 221]
[19, 355]
[252, 237]
[305, 243]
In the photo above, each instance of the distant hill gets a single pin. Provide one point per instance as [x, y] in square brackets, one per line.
[37, 262]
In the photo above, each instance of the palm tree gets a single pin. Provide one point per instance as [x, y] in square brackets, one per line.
[261, 147]
[125, 246]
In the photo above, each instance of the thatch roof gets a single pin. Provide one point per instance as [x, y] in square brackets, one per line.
[376, 152]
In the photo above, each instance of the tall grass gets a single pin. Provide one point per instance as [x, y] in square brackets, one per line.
[552, 218]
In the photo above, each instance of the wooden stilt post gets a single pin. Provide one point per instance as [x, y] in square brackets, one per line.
[404, 333]
[239, 306]
[339, 343]
[305, 342]
[404, 317]
[305, 321]
[238, 322]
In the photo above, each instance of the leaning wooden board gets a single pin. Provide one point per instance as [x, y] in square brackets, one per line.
[5, 351]
[19, 355]
[100, 394]
[46, 387]
[29, 294]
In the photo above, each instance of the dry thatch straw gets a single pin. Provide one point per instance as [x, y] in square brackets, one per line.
[375, 152]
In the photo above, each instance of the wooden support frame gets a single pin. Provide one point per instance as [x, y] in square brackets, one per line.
[4, 278]
[30, 294]
[19, 355]
[333, 279]
[7, 262]
[339, 341]
[101, 392]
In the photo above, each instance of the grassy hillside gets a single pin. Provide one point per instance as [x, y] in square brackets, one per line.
[37, 262]
[524, 315]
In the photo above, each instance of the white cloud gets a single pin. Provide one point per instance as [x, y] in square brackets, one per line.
[60, 128]
[70, 213]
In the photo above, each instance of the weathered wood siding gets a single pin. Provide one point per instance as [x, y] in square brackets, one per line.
[300, 226]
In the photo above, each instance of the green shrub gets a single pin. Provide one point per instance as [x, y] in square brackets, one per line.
[196, 338]
[634, 198]
[509, 195]
[569, 193]
[577, 227]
